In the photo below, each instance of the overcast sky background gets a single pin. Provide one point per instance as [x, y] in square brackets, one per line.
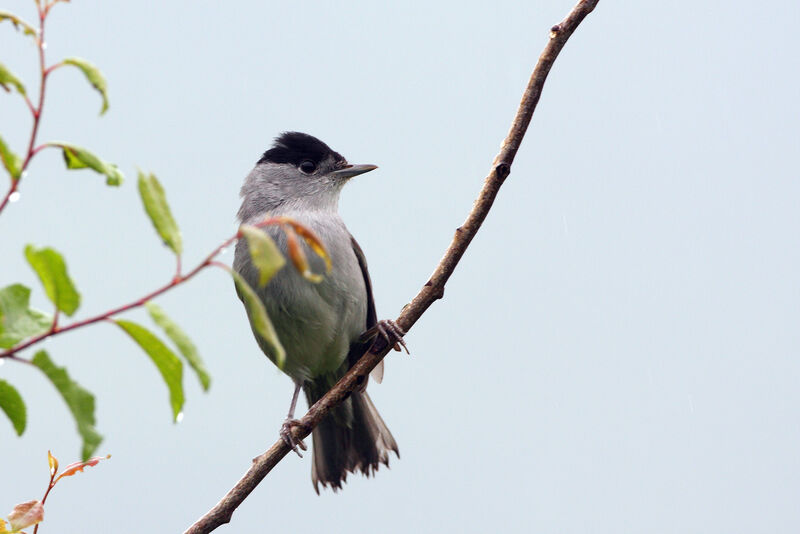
[616, 353]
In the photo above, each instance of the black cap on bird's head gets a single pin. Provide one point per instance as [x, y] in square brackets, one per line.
[295, 147]
[308, 153]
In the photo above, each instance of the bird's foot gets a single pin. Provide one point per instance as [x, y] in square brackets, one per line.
[392, 333]
[288, 436]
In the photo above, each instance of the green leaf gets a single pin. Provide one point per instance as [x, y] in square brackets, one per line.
[11, 161]
[264, 252]
[17, 22]
[52, 271]
[17, 320]
[79, 401]
[155, 204]
[181, 340]
[7, 78]
[259, 321]
[11, 402]
[76, 157]
[93, 75]
[168, 364]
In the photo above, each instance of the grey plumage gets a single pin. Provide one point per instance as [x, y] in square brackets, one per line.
[318, 324]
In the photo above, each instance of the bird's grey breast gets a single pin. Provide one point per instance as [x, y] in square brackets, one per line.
[316, 322]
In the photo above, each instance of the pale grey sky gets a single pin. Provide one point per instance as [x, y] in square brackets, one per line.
[617, 352]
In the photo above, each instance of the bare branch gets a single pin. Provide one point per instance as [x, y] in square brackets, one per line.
[430, 292]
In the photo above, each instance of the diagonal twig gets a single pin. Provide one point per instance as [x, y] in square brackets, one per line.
[430, 292]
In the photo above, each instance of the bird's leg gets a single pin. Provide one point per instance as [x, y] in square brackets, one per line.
[286, 428]
[390, 332]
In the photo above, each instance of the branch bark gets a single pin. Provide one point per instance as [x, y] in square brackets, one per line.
[430, 292]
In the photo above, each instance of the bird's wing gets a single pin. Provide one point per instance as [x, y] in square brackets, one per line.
[357, 349]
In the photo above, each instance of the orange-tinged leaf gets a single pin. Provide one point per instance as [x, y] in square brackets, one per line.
[52, 461]
[315, 243]
[26, 514]
[78, 467]
[298, 256]
[3, 527]
[311, 239]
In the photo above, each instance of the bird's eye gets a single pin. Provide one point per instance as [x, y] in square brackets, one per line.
[308, 166]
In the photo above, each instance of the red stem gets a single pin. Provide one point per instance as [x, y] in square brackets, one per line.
[177, 266]
[37, 113]
[46, 493]
[135, 304]
[179, 279]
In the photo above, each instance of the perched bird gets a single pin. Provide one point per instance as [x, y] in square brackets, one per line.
[321, 325]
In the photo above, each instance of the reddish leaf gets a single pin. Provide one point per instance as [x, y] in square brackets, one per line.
[298, 256]
[311, 239]
[26, 514]
[78, 467]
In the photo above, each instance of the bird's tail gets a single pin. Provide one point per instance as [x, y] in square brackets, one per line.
[351, 438]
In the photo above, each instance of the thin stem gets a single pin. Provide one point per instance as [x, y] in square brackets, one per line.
[221, 265]
[177, 266]
[46, 493]
[53, 67]
[30, 106]
[54, 324]
[176, 281]
[37, 112]
[20, 360]
[103, 316]
[40, 148]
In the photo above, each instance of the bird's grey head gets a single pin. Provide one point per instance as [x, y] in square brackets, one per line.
[299, 172]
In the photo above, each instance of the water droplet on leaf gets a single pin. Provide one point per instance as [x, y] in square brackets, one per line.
[179, 417]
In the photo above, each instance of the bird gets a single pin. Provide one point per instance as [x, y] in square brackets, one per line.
[325, 327]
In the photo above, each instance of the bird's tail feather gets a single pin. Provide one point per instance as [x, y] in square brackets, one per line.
[352, 438]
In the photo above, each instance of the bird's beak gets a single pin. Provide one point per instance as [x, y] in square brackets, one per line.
[353, 170]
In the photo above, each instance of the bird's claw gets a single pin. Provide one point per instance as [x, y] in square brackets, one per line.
[392, 333]
[288, 436]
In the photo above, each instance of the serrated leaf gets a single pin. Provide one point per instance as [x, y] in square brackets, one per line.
[266, 256]
[76, 157]
[17, 22]
[259, 321]
[78, 467]
[12, 404]
[17, 320]
[79, 401]
[167, 363]
[94, 77]
[7, 78]
[25, 515]
[11, 161]
[155, 204]
[181, 340]
[52, 271]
